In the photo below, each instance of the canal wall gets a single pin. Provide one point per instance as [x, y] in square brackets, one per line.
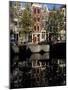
[58, 49]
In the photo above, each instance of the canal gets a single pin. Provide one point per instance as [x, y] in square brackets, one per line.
[37, 70]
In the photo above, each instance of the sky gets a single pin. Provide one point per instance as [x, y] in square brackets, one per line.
[50, 6]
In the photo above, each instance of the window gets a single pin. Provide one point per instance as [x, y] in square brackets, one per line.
[34, 38]
[34, 10]
[15, 23]
[34, 63]
[38, 28]
[38, 37]
[20, 13]
[35, 28]
[38, 10]
[38, 63]
[43, 34]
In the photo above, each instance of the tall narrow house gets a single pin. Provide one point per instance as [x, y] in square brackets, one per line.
[38, 33]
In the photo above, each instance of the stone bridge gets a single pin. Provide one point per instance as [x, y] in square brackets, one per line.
[38, 48]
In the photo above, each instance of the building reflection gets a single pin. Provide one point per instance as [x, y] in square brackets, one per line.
[37, 71]
[39, 65]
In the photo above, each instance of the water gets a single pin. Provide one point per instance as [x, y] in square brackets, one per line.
[37, 71]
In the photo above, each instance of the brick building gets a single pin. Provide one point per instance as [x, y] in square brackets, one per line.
[38, 33]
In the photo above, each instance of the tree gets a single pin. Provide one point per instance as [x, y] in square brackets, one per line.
[26, 22]
[55, 22]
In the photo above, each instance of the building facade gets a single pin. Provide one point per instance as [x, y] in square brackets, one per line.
[38, 33]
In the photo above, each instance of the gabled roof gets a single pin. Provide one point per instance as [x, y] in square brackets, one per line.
[36, 5]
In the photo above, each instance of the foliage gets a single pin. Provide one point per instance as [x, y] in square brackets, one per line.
[55, 21]
[27, 20]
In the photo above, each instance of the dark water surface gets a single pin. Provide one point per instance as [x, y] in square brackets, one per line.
[37, 70]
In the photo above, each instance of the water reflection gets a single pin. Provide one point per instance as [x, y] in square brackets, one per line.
[37, 71]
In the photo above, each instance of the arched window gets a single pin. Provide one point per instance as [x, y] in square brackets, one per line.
[34, 28]
[43, 34]
[38, 28]
[38, 11]
[34, 10]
